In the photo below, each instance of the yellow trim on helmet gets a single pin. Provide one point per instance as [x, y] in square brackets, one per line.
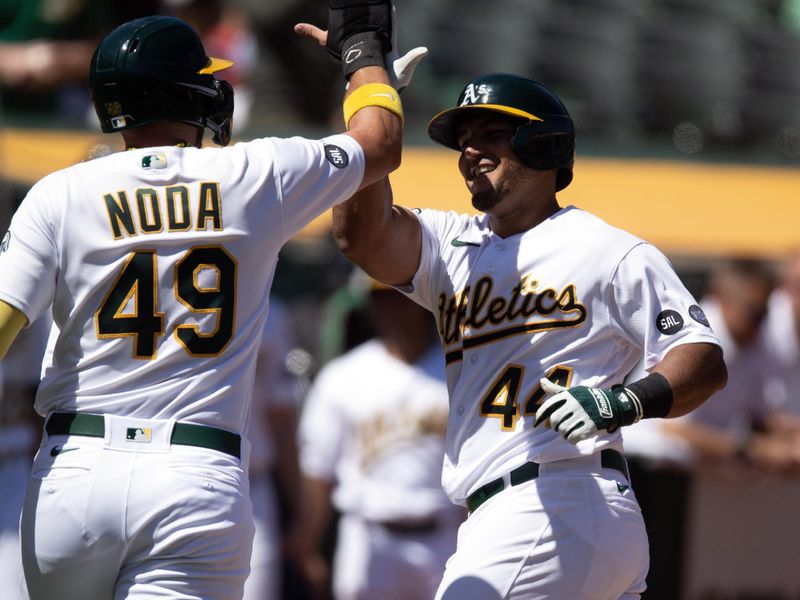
[508, 110]
[214, 65]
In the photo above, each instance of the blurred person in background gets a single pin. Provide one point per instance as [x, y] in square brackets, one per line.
[782, 335]
[223, 27]
[45, 49]
[289, 74]
[19, 434]
[274, 470]
[372, 445]
[743, 423]
[738, 423]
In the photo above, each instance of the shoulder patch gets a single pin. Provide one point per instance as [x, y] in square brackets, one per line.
[669, 322]
[698, 315]
[336, 156]
[6, 242]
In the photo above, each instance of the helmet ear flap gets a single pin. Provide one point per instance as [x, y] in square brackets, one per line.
[219, 115]
[543, 150]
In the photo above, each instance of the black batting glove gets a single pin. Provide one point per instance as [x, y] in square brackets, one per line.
[359, 33]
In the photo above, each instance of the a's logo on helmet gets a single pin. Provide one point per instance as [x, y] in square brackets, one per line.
[476, 95]
[114, 109]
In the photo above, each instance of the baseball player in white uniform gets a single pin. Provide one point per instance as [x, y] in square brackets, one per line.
[274, 469]
[543, 313]
[372, 443]
[157, 263]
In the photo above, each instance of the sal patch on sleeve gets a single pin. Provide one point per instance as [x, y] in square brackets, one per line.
[669, 322]
[336, 156]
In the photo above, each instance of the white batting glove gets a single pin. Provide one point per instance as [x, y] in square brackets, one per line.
[581, 412]
[401, 68]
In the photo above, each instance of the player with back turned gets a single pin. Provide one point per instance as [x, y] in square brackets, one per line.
[558, 330]
[158, 262]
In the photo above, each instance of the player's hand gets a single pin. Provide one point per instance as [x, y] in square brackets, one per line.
[367, 19]
[401, 68]
[312, 31]
[581, 412]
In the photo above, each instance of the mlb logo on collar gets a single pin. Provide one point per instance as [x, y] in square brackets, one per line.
[139, 434]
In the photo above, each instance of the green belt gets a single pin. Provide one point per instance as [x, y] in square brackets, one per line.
[609, 459]
[183, 434]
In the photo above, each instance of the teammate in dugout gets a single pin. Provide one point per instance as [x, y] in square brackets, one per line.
[157, 263]
[544, 313]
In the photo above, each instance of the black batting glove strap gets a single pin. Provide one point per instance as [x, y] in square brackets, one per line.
[655, 395]
[347, 18]
[363, 50]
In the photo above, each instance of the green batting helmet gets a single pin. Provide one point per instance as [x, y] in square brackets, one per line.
[545, 139]
[156, 68]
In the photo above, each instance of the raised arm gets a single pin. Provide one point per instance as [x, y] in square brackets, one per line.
[383, 239]
[360, 35]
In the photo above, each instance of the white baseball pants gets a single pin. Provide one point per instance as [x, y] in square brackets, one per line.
[373, 563]
[105, 522]
[574, 532]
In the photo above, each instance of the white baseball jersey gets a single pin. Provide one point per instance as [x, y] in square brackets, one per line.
[158, 264]
[572, 299]
[375, 425]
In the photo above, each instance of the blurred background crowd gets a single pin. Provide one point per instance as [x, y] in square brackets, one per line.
[692, 81]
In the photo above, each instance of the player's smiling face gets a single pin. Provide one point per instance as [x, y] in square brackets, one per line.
[515, 196]
[487, 162]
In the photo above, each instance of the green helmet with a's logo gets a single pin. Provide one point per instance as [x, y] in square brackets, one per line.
[156, 68]
[544, 140]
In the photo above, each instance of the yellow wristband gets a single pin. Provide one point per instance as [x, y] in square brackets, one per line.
[372, 94]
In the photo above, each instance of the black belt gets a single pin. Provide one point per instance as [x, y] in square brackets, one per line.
[609, 459]
[410, 527]
[183, 434]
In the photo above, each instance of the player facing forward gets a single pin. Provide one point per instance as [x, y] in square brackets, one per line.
[158, 262]
[544, 313]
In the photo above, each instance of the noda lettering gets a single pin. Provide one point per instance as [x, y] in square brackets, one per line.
[478, 306]
[149, 210]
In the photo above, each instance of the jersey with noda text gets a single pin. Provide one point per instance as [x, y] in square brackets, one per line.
[572, 299]
[158, 263]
